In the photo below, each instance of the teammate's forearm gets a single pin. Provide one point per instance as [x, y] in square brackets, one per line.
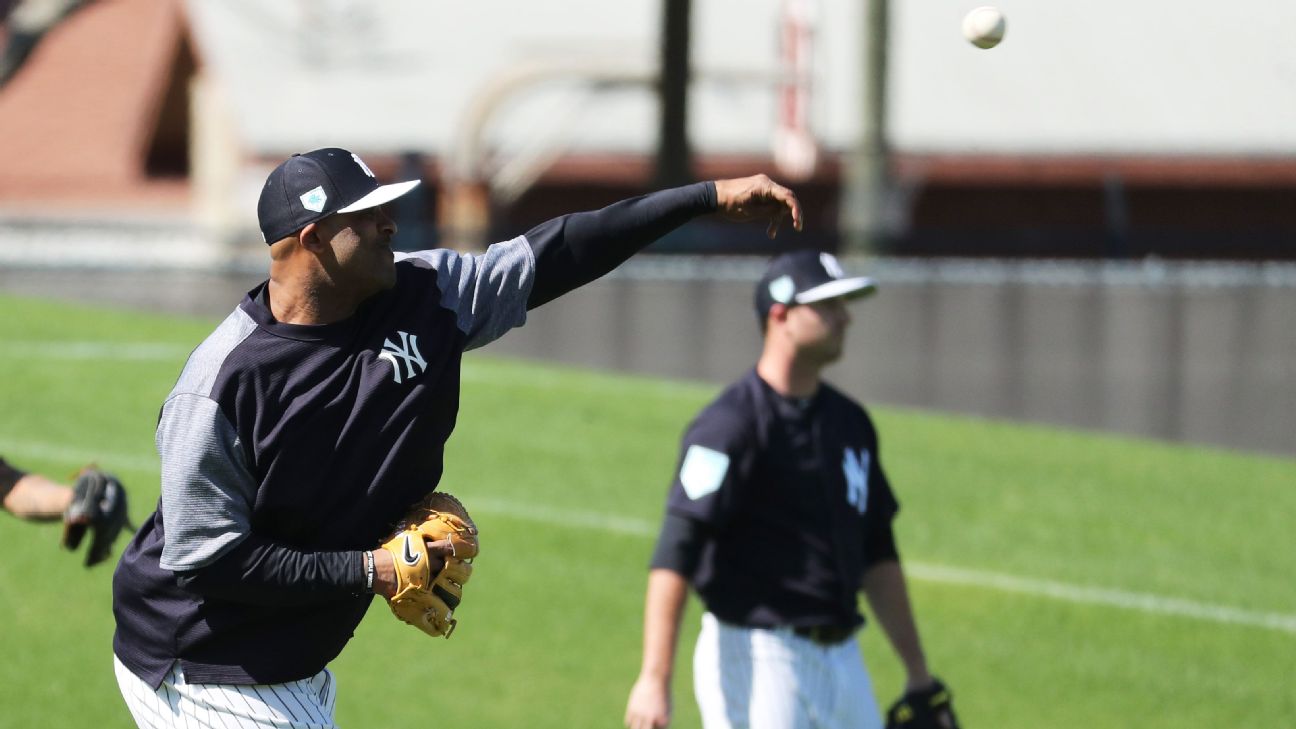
[884, 586]
[38, 498]
[576, 249]
[663, 607]
[261, 572]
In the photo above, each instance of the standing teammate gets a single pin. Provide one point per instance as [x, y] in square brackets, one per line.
[312, 418]
[779, 515]
[95, 504]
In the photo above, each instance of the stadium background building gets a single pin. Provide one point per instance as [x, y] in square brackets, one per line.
[1090, 224]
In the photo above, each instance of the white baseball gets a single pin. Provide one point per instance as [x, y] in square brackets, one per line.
[984, 27]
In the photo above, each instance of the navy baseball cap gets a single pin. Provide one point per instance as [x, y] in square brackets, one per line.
[804, 277]
[312, 186]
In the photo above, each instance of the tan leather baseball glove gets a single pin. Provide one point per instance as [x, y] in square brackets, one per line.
[424, 598]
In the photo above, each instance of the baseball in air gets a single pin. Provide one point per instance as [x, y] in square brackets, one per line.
[984, 27]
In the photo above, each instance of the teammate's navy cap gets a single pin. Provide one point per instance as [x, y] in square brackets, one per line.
[804, 277]
[312, 186]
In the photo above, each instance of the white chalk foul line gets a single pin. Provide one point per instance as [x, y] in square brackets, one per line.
[86, 350]
[637, 527]
[943, 574]
[1144, 602]
[16, 451]
[626, 525]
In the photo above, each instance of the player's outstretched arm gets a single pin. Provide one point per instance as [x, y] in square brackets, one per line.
[649, 706]
[572, 250]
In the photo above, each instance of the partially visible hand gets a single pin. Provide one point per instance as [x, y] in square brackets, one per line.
[649, 706]
[385, 581]
[758, 198]
[930, 707]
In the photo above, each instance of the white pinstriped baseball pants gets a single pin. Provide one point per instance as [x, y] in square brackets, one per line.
[754, 678]
[304, 704]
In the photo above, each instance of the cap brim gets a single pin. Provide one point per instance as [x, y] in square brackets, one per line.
[850, 288]
[383, 194]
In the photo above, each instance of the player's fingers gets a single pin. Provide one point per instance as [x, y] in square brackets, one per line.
[440, 548]
[643, 720]
[772, 229]
[790, 201]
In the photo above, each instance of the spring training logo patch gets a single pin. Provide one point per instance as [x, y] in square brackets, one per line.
[407, 353]
[703, 471]
[314, 200]
[781, 289]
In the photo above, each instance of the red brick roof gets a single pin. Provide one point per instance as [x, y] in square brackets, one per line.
[77, 120]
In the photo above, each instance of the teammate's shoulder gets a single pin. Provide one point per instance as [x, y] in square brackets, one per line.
[843, 402]
[834, 394]
[740, 397]
[731, 410]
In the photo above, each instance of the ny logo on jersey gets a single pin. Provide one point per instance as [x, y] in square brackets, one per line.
[407, 352]
[855, 466]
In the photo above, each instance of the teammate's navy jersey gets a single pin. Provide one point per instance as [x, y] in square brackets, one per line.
[314, 438]
[790, 503]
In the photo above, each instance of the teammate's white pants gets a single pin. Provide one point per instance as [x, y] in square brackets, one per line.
[304, 704]
[754, 678]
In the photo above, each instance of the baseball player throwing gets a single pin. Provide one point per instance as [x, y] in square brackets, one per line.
[779, 515]
[302, 429]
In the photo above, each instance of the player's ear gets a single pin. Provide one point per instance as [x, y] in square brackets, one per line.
[311, 238]
[777, 313]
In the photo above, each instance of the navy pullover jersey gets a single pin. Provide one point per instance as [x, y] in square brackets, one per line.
[785, 505]
[288, 450]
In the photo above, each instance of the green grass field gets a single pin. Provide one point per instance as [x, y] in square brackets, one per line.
[1061, 579]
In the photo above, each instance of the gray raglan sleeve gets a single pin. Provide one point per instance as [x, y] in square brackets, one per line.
[487, 292]
[207, 488]
[207, 496]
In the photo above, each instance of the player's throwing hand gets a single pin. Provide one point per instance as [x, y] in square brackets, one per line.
[758, 198]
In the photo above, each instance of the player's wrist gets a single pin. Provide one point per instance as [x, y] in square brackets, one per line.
[384, 578]
[917, 682]
[655, 674]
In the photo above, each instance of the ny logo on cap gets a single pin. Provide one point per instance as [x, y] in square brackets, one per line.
[314, 200]
[830, 264]
[363, 166]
